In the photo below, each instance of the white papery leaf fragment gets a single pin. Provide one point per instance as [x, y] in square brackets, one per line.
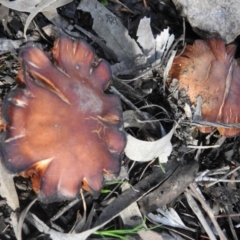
[29, 6]
[169, 218]
[143, 151]
[7, 188]
[153, 48]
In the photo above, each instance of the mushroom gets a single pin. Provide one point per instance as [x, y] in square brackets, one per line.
[62, 130]
[208, 69]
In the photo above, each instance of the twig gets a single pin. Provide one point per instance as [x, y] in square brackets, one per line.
[200, 123]
[123, 5]
[228, 215]
[224, 177]
[145, 4]
[203, 175]
[203, 147]
[84, 205]
[130, 104]
[208, 210]
[192, 203]
[216, 180]
[178, 232]
[184, 31]
[126, 87]
[231, 225]
[141, 75]
[144, 170]
[64, 209]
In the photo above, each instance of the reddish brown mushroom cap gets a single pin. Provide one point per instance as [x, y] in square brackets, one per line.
[63, 130]
[208, 69]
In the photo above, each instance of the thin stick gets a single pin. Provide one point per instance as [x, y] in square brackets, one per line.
[228, 215]
[192, 203]
[208, 210]
[84, 205]
[130, 104]
[64, 209]
[231, 225]
[203, 147]
[224, 177]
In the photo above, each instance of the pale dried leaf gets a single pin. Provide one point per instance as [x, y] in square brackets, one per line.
[163, 42]
[4, 12]
[169, 218]
[187, 110]
[153, 48]
[131, 215]
[170, 235]
[149, 234]
[7, 45]
[55, 18]
[7, 188]
[14, 223]
[168, 66]
[108, 27]
[146, 38]
[44, 5]
[18, 230]
[29, 6]
[130, 67]
[142, 151]
[198, 212]
[52, 31]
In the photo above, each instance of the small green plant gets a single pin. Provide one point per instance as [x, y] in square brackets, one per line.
[104, 190]
[104, 2]
[161, 166]
[122, 232]
[3, 67]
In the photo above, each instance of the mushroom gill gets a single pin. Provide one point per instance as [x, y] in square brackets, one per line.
[208, 69]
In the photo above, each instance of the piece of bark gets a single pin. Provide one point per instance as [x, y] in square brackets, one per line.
[170, 189]
[137, 192]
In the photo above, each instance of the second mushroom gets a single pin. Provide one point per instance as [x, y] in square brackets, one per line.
[208, 69]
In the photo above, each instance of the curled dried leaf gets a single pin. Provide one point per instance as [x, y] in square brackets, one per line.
[64, 132]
